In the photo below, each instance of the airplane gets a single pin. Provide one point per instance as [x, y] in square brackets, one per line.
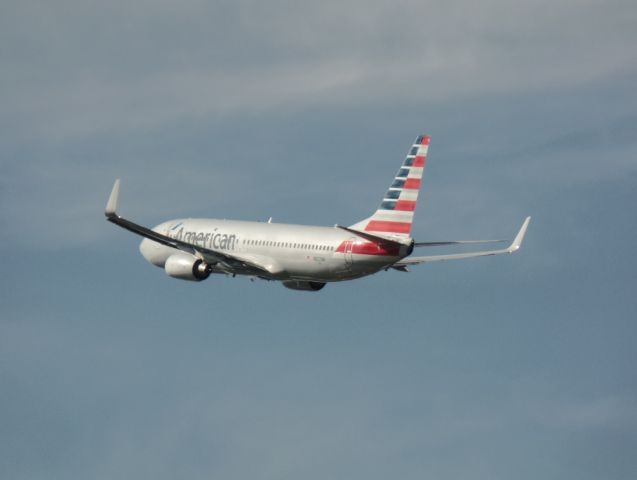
[300, 257]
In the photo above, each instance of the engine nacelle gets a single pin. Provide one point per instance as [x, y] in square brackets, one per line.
[298, 285]
[186, 267]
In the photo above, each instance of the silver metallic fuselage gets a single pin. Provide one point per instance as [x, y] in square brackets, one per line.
[290, 252]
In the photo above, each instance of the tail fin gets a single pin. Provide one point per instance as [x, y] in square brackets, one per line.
[396, 212]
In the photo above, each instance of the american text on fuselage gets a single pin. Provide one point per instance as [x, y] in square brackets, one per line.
[299, 257]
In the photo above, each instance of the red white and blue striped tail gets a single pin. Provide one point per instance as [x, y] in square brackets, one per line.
[396, 212]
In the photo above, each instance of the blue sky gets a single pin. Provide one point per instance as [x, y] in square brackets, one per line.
[518, 366]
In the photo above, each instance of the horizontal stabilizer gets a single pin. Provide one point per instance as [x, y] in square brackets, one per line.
[515, 246]
[454, 242]
[374, 238]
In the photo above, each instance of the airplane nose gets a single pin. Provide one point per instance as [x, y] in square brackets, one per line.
[145, 248]
[152, 252]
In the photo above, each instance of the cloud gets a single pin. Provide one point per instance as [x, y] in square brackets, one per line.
[127, 66]
[95, 91]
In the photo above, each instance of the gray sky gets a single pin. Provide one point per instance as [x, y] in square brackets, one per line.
[515, 367]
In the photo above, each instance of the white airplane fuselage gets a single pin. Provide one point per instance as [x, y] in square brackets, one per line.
[288, 252]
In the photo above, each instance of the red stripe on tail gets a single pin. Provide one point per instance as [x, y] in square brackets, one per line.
[405, 205]
[419, 161]
[384, 226]
[412, 183]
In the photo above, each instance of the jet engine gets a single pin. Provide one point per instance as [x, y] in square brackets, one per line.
[298, 285]
[186, 267]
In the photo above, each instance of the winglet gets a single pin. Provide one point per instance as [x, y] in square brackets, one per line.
[517, 241]
[111, 206]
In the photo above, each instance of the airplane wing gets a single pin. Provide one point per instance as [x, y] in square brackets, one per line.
[234, 263]
[515, 246]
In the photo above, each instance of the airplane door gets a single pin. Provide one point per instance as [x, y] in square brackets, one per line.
[349, 245]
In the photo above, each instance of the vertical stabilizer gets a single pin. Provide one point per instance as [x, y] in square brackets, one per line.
[396, 211]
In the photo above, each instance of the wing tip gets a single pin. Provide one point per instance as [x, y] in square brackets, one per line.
[519, 238]
[111, 205]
